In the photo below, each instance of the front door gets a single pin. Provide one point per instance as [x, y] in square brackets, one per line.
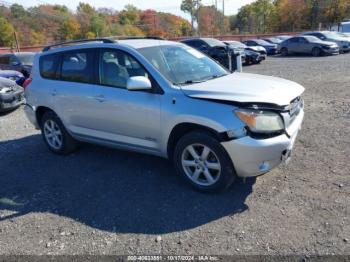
[129, 118]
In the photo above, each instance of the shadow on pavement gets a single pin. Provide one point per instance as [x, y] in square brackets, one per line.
[108, 189]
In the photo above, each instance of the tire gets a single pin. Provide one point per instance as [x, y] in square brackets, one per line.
[60, 142]
[195, 169]
[316, 51]
[284, 51]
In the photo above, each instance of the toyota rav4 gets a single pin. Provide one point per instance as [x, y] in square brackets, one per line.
[167, 99]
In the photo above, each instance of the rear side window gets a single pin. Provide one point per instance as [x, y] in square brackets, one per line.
[77, 66]
[48, 66]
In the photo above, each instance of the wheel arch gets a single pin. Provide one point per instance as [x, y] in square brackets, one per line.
[39, 113]
[184, 128]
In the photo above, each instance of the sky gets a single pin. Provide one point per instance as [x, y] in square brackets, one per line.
[170, 6]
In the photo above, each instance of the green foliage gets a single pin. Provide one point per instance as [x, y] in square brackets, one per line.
[289, 15]
[6, 36]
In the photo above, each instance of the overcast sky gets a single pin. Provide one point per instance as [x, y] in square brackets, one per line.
[171, 6]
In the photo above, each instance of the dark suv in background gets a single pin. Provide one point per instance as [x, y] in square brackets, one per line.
[21, 62]
[217, 50]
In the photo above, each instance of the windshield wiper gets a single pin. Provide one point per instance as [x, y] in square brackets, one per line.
[189, 82]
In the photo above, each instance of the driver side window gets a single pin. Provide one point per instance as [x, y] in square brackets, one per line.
[116, 67]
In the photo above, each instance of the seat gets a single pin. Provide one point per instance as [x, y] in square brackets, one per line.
[114, 75]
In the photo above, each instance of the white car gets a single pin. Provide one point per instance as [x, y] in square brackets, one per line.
[167, 99]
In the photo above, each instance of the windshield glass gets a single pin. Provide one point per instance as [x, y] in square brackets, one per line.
[262, 42]
[311, 38]
[182, 64]
[237, 44]
[26, 59]
[213, 42]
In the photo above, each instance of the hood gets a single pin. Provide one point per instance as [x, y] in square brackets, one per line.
[7, 85]
[10, 74]
[245, 88]
[326, 43]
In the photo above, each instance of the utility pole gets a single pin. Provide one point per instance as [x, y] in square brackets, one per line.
[223, 16]
[16, 40]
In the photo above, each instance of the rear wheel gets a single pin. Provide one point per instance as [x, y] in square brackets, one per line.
[284, 51]
[316, 51]
[55, 135]
[203, 162]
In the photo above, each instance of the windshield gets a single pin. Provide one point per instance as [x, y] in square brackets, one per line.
[311, 38]
[237, 44]
[262, 42]
[213, 42]
[26, 59]
[182, 64]
[275, 40]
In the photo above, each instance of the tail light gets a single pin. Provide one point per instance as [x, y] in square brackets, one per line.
[27, 82]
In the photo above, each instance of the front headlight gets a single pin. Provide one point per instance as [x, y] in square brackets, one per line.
[260, 121]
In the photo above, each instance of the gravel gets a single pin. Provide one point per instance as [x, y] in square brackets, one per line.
[105, 201]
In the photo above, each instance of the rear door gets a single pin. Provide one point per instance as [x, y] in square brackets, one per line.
[71, 88]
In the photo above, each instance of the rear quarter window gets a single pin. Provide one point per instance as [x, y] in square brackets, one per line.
[48, 65]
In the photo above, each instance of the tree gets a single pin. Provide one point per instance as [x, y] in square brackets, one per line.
[209, 20]
[191, 7]
[69, 29]
[129, 16]
[18, 11]
[7, 31]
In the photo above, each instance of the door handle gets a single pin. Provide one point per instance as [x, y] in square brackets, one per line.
[54, 92]
[100, 98]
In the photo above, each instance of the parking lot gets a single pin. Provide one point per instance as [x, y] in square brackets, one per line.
[105, 201]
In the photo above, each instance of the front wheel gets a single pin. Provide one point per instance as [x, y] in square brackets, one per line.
[316, 51]
[203, 162]
[284, 51]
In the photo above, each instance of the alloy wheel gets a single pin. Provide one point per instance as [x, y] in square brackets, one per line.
[53, 134]
[201, 164]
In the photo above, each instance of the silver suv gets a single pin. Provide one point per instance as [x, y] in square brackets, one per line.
[167, 99]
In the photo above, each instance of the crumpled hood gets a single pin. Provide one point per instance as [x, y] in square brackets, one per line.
[245, 88]
[7, 85]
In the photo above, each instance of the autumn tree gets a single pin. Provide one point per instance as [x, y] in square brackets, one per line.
[191, 7]
[6, 36]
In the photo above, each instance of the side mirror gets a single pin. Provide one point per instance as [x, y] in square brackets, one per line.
[136, 83]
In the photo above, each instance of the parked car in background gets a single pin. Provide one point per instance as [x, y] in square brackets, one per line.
[308, 45]
[21, 62]
[11, 74]
[283, 37]
[342, 42]
[11, 95]
[273, 40]
[271, 49]
[261, 50]
[251, 57]
[216, 49]
[167, 99]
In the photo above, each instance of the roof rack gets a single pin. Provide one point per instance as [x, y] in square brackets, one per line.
[103, 40]
[135, 37]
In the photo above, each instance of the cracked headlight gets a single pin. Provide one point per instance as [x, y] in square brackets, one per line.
[260, 121]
